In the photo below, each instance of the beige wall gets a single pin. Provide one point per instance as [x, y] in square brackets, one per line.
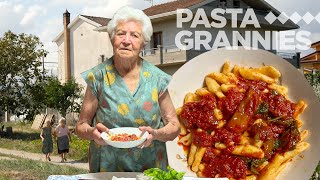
[169, 31]
[87, 46]
[170, 69]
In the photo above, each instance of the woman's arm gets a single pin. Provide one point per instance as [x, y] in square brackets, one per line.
[41, 135]
[168, 113]
[55, 133]
[69, 134]
[172, 126]
[88, 110]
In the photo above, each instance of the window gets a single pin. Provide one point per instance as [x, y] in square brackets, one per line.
[157, 39]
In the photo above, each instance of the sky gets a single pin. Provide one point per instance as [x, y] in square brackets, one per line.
[43, 18]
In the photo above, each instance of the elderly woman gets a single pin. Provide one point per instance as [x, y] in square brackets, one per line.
[127, 91]
[46, 137]
[63, 138]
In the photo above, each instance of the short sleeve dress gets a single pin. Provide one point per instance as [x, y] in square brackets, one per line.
[118, 107]
[47, 144]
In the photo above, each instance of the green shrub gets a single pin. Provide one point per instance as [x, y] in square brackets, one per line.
[79, 149]
[314, 80]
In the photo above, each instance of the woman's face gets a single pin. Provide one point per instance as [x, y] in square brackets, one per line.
[62, 123]
[128, 40]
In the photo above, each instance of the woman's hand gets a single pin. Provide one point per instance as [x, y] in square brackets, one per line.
[150, 138]
[96, 133]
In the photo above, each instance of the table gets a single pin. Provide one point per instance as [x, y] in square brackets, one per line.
[109, 175]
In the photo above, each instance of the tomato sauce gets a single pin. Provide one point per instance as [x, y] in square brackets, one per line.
[242, 117]
[241, 106]
[280, 106]
[229, 104]
[200, 114]
[226, 137]
[226, 166]
[124, 137]
[202, 138]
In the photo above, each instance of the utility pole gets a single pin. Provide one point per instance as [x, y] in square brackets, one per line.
[42, 66]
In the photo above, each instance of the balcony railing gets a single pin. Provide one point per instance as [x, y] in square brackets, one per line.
[164, 55]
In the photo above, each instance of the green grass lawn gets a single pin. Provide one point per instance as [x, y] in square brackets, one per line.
[19, 168]
[26, 139]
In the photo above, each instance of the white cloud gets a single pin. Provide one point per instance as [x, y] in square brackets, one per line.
[315, 37]
[33, 12]
[8, 18]
[49, 29]
[18, 8]
[4, 3]
[104, 9]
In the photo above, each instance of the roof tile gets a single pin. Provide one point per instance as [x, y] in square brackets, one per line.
[170, 6]
[100, 20]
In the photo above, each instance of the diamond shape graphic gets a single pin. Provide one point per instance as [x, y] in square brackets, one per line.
[308, 18]
[283, 17]
[270, 17]
[317, 17]
[295, 17]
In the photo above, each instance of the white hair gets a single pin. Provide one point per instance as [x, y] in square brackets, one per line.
[62, 120]
[127, 13]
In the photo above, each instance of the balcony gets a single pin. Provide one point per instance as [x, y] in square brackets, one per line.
[164, 55]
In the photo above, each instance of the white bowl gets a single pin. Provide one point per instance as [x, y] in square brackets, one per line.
[127, 144]
[191, 77]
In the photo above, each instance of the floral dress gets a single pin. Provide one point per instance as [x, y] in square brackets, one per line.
[118, 107]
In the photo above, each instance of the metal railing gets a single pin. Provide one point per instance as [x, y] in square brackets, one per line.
[292, 58]
[164, 54]
[148, 52]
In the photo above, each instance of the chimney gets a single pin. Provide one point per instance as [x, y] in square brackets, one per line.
[66, 33]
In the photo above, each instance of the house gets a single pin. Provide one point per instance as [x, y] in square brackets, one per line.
[311, 61]
[84, 42]
[81, 46]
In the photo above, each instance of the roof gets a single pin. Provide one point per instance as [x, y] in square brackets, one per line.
[305, 58]
[313, 45]
[100, 20]
[171, 6]
[180, 4]
[262, 5]
[309, 61]
[95, 21]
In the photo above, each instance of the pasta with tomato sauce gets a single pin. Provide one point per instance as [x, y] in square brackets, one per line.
[241, 125]
[124, 137]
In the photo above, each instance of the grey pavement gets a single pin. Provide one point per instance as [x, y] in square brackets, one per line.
[41, 157]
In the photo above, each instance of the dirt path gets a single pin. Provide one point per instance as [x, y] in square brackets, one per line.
[41, 157]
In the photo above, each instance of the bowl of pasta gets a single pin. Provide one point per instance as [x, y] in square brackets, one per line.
[124, 137]
[244, 114]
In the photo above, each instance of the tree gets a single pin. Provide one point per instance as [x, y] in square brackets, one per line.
[314, 80]
[20, 72]
[63, 97]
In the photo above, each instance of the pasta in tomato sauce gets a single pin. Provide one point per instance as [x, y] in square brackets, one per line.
[240, 123]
